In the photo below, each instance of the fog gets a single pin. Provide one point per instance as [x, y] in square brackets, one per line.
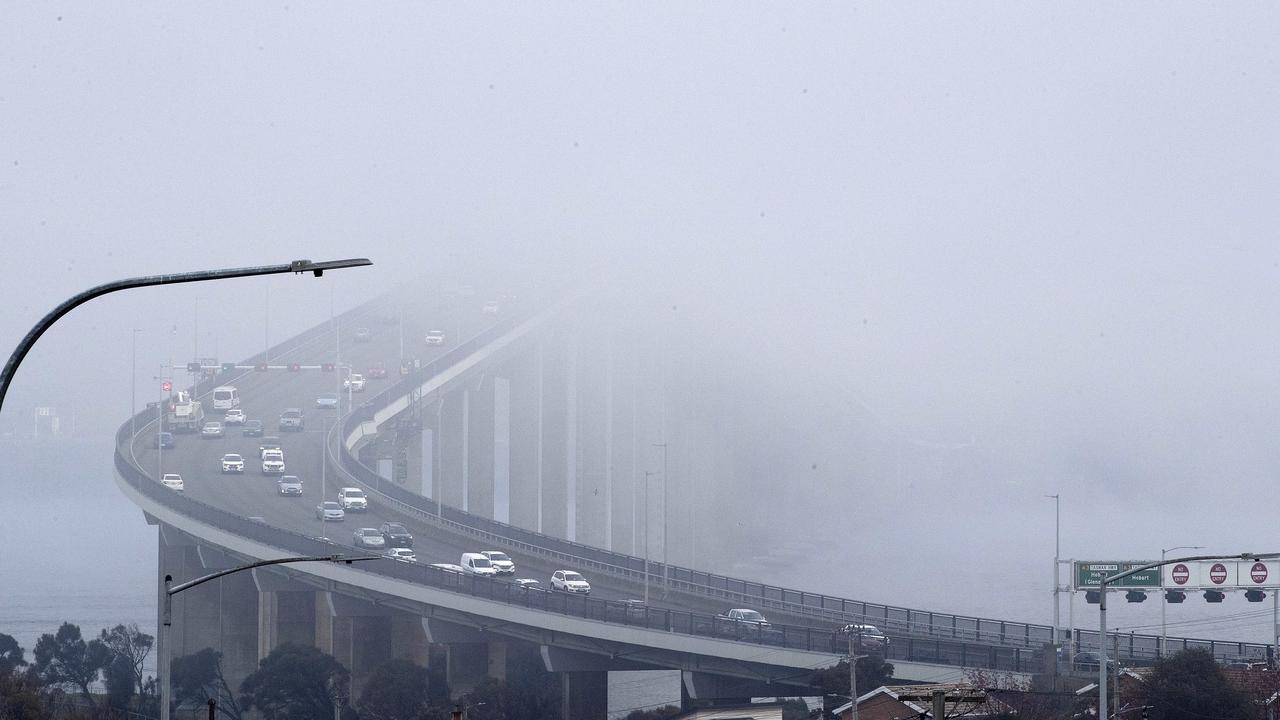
[913, 267]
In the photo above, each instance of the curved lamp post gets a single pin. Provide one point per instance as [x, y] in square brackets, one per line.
[297, 266]
[170, 590]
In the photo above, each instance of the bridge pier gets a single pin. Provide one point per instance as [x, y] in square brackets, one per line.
[480, 460]
[362, 635]
[584, 695]
[555, 435]
[453, 413]
[525, 435]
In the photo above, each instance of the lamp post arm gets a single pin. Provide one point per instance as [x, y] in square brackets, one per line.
[297, 266]
[339, 558]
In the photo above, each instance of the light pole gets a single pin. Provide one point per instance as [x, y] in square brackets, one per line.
[170, 590]
[1164, 604]
[665, 479]
[1102, 609]
[133, 384]
[1057, 554]
[647, 474]
[24, 346]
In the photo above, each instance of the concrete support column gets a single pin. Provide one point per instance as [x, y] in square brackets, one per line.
[585, 695]
[268, 606]
[625, 472]
[409, 640]
[525, 432]
[453, 448]
[480, 463]
[594, 436]
[466, 665]
[497, 660]
[554, 417]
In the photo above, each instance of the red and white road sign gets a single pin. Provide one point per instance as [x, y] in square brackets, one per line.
[1218, 573]
[1181, 574]
[1258, 573]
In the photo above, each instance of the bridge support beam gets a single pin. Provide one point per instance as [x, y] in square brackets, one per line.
[525, 432]
[705, 686]
[480, 460]
[584, 695]
[556, 447]
[453, 447]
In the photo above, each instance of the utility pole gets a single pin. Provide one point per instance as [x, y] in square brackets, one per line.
[1164, 602]
[855, 643]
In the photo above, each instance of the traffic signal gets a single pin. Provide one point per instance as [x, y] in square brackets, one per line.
[327, 367]
[294, 367]
[166, 386]
[1214, 596]
[193, 367]
[1092, 597]
[1254, 595]
[1174, 596]
[260, 367]
[1135, 596]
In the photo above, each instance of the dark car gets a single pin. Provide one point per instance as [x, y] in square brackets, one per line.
[252, 428]
[396, 535]
[164, 440]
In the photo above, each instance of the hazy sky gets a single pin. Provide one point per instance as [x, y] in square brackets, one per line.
[964, 255]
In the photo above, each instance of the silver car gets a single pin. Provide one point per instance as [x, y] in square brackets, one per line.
[211, 429]
[330, 510]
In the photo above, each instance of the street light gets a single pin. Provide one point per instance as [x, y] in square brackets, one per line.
[1164, 602]
[647, 474]
[1102, 609]
[297, 266]
[171, 590]
[665, 479]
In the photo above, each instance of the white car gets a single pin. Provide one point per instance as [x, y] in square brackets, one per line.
[173, 481]
[435, 337]
[273, 462]
[368, 538]
[234, 416]
[232, 463]
[355, 382]
[327, 401]
[402, 554]
[570, 581]
[353, 499]
[211, 429]
[490, 308]
[500, 561]
[330, 510]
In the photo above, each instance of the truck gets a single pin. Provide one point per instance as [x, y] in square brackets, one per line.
[184, 413]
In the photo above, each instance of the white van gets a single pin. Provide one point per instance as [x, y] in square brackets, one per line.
[225, 397]
[477, 564]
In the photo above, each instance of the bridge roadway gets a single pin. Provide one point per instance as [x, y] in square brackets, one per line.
[265, 395]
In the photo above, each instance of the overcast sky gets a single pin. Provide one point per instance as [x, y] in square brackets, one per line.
[962, 255]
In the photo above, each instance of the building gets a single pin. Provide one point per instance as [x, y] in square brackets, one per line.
[893, 702]
[755, 711]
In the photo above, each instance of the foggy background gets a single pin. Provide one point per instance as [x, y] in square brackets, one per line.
[922, 264]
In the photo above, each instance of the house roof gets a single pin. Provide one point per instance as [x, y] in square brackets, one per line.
[958, 699]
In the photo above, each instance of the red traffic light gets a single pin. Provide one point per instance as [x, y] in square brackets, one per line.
[166, 386]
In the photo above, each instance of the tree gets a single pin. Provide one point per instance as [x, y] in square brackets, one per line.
[872, 670]
[197, 677]
[65, 659]
[130, 647]
[1190, 685]
[397, 690]
[660, 713]
[294, 682]
[11, 655]
[20, 698]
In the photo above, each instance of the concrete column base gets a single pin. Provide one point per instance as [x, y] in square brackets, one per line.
[585, 695]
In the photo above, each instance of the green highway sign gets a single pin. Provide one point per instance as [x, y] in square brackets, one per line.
[1090, 573]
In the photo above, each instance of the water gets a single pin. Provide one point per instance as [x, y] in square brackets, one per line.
[72, 548]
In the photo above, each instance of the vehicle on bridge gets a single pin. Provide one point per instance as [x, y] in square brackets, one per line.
[363, 334]
[232, 463]
[354, 382]
[570, 581]
[502, 563]
[234, 416]
[477, 564]
[353, 499]
[376, 371]
[434, 337]
[164, 440]
[868, 637]
[173, 481]
[289, 485]
[252, 428]
[330, 510]
[527, 584]
[402, 554]
[327, 401]
[211, 429]
[368, 537]
[291, 419]
[490, 308]
[396, 535]
[273, 462]
[184, 413]
[225, 398]
[270, 442]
